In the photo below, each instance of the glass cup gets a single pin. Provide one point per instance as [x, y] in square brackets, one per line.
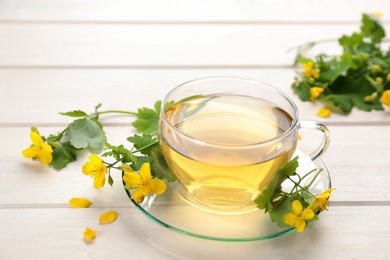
[225, 138]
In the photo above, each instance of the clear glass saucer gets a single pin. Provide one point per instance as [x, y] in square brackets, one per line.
[172, 211]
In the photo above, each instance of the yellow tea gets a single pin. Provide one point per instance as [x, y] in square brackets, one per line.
[222, 152]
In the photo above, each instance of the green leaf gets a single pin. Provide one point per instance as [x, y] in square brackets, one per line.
[290, 168]
[277, 215]
[347, 92]
[74, 113]
[371, 28]
[332, 69]
[63, 155]
[160, 167]
[120, 153]
[302, 89]
[84, 133]
[265, 200]
[140, 160]
[350, 42]
[144, 143]
[147, 119]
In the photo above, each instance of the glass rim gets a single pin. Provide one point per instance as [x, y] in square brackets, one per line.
[281, 93]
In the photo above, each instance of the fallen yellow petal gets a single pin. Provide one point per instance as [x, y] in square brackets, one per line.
[89, 234]
[79, 203]
[108, 217]
[324, 112]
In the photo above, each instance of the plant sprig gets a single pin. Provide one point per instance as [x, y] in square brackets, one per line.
[87, 132]
[277, 199]
[359, 77]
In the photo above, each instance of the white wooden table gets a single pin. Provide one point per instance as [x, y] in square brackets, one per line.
[60, 55]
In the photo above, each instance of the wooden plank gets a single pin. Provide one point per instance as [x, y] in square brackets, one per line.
[188, 11]
[128, 45]
[359, 171]
[35, 96]
[50, 233]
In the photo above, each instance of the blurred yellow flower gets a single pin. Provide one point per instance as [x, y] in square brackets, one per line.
[143, 183]
[315, 92]
[385, 99]
[108, 217]
[96, 169]
[298, 217]
[324, 112]
[79, 203]
[89, 234]
[377, 15]
[38, 149]
[310, 71]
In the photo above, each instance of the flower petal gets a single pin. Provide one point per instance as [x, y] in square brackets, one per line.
[94, 158]
[79, 203]
[36, 138]
[99, 180]
[132, 179]
[145, 173]
[108, 217]
[315, 92]
[140, 193]
[31, 152]
[296, 207]
[290, 219]
[45, 154]
[89, 234]
[157, 186]
[300, 225]
[327, 193]
[308, 214]
[324, 112]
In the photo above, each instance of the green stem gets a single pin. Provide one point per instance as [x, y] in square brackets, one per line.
[302, 188]
[116, 112]
[314, 178]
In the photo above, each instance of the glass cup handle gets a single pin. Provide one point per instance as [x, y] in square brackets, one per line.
[325, 141]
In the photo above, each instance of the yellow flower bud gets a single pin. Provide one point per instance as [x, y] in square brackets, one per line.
[376, 68]
[379, 80]
[372, 97]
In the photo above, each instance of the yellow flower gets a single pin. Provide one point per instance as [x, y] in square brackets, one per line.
[315, 92]
[386, 98]
[89, 234]
[321, 202]
[324, 112]
[108, 217]
[79, 203]
[38, 149]
[96, 168]
[310, 71]
[143, 183]
[298, 217]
